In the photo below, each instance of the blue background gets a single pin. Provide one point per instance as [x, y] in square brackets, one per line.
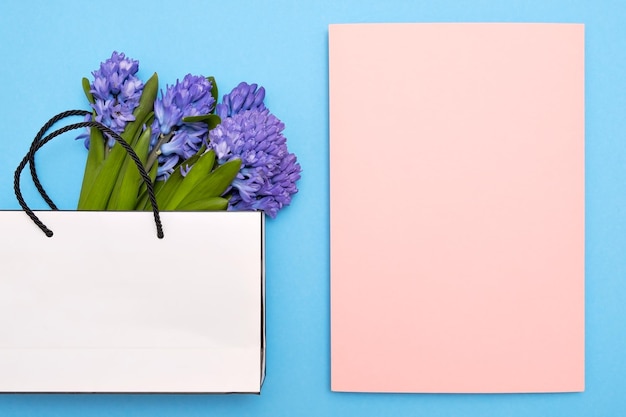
[47, 47]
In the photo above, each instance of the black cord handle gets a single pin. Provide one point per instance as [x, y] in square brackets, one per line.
[39, 142]
[38, 137]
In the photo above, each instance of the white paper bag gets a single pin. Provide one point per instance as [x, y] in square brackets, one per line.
[105, 306]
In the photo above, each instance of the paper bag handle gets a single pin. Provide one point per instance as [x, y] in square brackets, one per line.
[38, 143]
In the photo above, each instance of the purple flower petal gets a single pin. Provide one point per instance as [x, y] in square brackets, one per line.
[116, 92]
[189, 97]
[268, 173]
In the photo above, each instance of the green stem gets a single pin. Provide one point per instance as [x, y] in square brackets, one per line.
[156, 151]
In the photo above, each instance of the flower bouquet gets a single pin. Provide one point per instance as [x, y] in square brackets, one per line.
[98, 311]
[201, 154]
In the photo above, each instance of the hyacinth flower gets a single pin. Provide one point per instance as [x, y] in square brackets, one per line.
[114, 94]
[250, 133]
[122, 102]
[175, 139]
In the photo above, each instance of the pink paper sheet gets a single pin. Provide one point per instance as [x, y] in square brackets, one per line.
[457, 207]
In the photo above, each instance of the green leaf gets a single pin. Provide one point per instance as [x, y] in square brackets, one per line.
[87, 90]
[147, 121]
[125, 193]
[213, 90]
[98, 193]
[143, 109]
[214, 184]
[211, 120]
[142, 201]
[164, 190]
[93, 165]
[209, 204]
[200, 170]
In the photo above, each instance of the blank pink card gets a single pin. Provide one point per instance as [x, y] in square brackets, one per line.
[457, 207]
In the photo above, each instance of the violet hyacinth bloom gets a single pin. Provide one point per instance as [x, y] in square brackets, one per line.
[116, 92]
[243, 97]
[176, 140]
[268, 174]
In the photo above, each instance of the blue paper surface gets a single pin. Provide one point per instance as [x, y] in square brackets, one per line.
[47, 47]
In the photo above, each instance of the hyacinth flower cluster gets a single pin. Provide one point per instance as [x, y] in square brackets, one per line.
[201, 155]
[174, 141]
[249, 132]
[114, 94]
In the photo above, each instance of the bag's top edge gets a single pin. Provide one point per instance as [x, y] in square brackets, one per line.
[243, 212]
